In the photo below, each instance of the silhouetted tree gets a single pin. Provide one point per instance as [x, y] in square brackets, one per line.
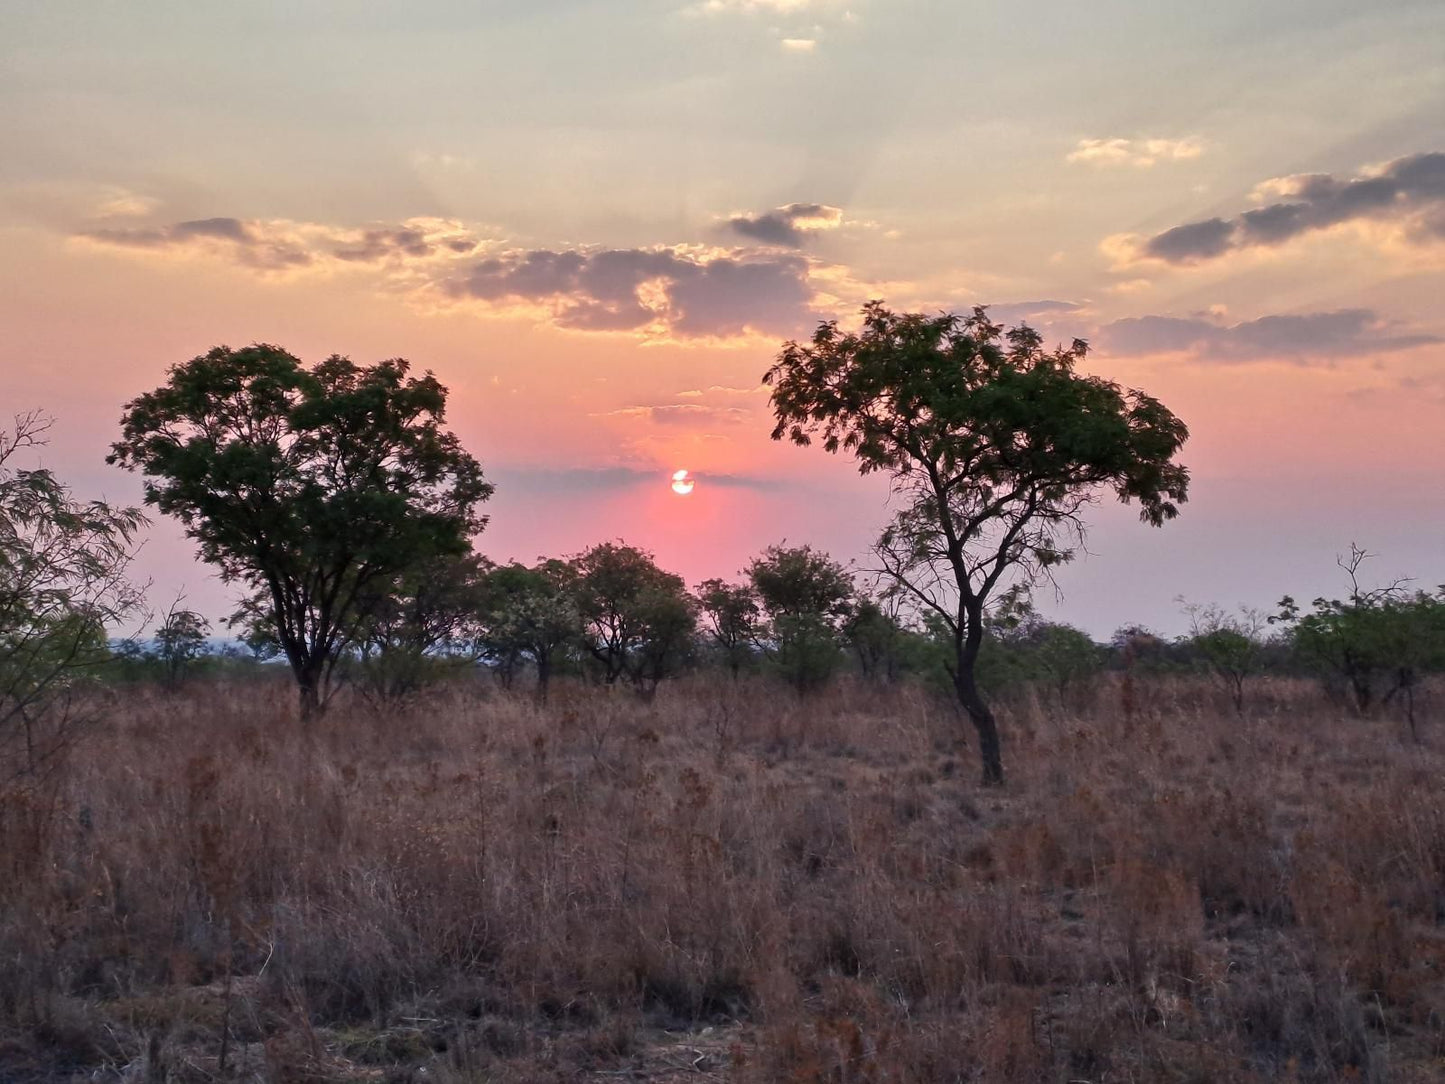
[417, 622]
[1377, 642]
[1230, 646]
[732, 616]
[315, 487]
[180, 642]
[63, 566]
[994, 446]
[807, 595]
[530, 613]
[637, 620]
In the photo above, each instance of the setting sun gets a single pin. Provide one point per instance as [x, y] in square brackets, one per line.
[682, 483]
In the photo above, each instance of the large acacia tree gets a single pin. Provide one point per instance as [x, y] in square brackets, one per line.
[994, 445]
[315, 487]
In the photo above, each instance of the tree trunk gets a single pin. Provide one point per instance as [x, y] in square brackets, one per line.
[967, 646]
[544, 674]
[990, 750]
[308, 687]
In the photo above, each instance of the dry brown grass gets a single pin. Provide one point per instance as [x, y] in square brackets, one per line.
[728, 883]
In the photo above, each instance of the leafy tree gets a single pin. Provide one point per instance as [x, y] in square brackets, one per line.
[529, 613]
[877, 638]
[314, 487]
[637, 620]
[807, 595]
[180, 642]
[63, 566]
[1229, 645]
[732, 615]
[426, 616]
[994, 446]
[1376, 643]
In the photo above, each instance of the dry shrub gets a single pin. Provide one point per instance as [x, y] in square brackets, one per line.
[806, 889]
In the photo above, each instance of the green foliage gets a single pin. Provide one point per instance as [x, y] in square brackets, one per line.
[419, 626]
[1375, 644]
[314, 487]
[637, 620]
[995, 446]
[807, 596]
[180, 643]
[877, 638]
[732, 618]
[1228, 646]
[62, 582]
[529, 614]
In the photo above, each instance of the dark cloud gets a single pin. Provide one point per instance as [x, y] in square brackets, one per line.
[1411, 188]
[376, 245]
[685, 292]
[626, 289]
[1300, 338]
[1196, 241]
[787, 226]
[247, 245]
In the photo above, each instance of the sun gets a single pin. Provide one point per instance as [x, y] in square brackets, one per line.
[682, 482]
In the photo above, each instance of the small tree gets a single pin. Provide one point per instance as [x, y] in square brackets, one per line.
[1376, 643]
[530, 613]
[1230, 646]
[995, 446]
[63, 582]
[180, 642]
[732, 615]
[807, 596]
[877, 638]
[314, 487]
[637, 620]
[424, 617]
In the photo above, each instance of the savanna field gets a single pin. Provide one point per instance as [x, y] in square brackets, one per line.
[730, 881]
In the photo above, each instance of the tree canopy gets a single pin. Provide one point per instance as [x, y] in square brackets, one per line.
[311, 485]
[995, 446]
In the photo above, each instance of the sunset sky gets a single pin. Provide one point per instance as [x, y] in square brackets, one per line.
[596, 222]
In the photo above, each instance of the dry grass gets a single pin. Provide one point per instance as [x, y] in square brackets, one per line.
[728, 883]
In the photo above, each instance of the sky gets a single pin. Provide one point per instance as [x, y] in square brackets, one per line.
[598, 222]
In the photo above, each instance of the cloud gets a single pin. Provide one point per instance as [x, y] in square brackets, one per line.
[1139, 153]
[682, 292]
[280, 245]
[681, 414]
[1299, 338]
[1021, 312]
[662, 290]
[1408, 192]
[788, 226]
[799, 45]
[585, 480]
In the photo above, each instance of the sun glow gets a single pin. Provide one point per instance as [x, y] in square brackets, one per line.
[682, 483]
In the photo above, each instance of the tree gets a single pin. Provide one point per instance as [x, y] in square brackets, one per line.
[877, 637]
[807, 596]
[63, 582]
[313, 487]
[994, 447]
[179, 642]
[427, 615]
[637, 620]
[732, 619]
[529, 613]
[1229, 645]
[1377, 643]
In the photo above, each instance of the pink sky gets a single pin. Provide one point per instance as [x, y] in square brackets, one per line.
[597, 228]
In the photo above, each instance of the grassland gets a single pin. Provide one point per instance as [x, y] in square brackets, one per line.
[729, 882]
